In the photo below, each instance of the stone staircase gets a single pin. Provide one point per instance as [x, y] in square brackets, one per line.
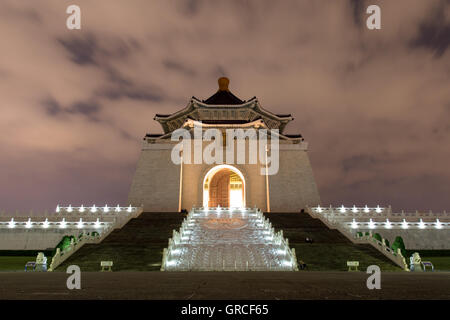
[330, 249]
[137, 246]
[228, 239]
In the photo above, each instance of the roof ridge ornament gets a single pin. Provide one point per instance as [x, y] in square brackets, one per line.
[223, 83]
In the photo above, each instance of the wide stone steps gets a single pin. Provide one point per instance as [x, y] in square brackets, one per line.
[216, 239]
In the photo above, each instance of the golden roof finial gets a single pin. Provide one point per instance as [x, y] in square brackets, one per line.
[223, 83]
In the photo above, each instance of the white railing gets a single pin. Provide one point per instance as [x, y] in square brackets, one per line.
[52, 224]
[381, 217]
[395, 257]
[60, 257]
[96, 209]
[388, 224]
[381, 246]
[73, 218]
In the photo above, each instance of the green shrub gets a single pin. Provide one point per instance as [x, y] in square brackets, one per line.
[398, 243]
[64, 243]
[386, 241]
[377, 236]
[359, 234]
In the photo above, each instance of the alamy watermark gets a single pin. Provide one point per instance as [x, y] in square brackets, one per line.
[228, 146]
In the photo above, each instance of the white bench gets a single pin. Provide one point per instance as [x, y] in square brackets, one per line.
[352, 265]
[106, 265]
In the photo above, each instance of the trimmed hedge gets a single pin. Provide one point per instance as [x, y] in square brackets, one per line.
[377, 236]
[398, 243]
[64, 243]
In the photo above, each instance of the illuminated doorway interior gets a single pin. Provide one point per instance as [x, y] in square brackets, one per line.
[224, 186]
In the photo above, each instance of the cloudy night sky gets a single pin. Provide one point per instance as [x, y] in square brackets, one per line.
[373, 105]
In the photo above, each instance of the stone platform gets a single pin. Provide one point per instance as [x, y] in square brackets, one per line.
[225, 285]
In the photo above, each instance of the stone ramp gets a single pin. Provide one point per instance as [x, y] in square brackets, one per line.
[138, 246]
[330, 249]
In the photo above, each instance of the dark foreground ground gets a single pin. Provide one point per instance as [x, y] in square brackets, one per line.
[225, 285]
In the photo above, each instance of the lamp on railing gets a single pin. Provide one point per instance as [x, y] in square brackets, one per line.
[57, 208]
[366, 209]
[117, 208]
[342, 210]
[97, 224]
[354, 209]
[354, 224]
[46, 224]
[93, 208]
[28, 224]
[105, 208]
[62, 224]
[438, 224]
[404, 224]
[81, 209]
[421, 224]
[69, 209]
[388, 224]
[371, 224]
[378, 209]
[80, 224]
[319, 209]
[11, 224]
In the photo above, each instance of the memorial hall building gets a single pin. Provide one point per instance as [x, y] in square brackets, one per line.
[161, 185]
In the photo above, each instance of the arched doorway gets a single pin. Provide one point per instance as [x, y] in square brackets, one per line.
[224, 186]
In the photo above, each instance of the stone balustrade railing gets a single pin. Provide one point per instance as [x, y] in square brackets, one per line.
[99, 210]
[382, 217]
[20, 223]
[73, 218]
[61, 256]
[396, 257]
